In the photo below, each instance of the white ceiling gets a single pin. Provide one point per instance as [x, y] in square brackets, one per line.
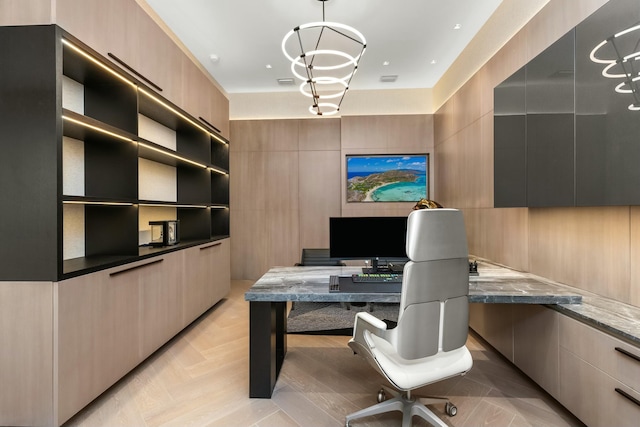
[246, 35]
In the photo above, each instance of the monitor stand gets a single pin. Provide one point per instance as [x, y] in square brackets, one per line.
[376, 268]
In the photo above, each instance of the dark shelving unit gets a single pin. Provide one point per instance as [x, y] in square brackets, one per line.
[34, 124]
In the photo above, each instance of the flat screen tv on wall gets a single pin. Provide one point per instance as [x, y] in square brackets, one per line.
[387, 178]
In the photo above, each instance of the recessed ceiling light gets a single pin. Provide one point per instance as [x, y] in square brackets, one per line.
[386, 63]
[433, 61]
[457, 27]
[214, 58]
[269, 66]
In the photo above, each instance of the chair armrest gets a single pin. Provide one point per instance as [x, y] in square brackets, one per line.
[367, 322]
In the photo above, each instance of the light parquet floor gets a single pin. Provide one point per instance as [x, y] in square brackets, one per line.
[200, 378]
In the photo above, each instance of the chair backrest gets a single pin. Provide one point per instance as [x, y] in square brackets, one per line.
[434, 311]
[318, 256]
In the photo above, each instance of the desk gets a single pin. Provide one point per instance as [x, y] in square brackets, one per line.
[269, 295]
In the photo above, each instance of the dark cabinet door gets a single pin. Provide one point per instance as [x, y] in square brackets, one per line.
[607, 131]
[550, 129]
[510, 160]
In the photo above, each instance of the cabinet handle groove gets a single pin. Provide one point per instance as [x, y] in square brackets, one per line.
[627, 395]
[132, 70]
[155, 261]
[628, 354]
[210, 125]
[210, 246]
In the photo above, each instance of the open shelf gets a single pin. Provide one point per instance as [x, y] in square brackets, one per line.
[108, 96]
[157, 153]
[102, 155]
[200, 161]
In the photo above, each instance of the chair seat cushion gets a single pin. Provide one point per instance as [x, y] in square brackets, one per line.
[411, 374]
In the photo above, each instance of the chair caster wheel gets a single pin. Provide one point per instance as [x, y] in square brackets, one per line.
[450, 409]
[382, 396]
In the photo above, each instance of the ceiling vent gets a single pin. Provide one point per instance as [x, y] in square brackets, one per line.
[388, 79]
[285, 82]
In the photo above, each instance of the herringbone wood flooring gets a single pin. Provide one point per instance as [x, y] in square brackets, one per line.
[200, 378]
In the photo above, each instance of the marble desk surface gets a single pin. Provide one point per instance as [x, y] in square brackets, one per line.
[494, 284]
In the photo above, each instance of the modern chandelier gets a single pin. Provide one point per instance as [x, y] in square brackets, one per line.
[324, 56]
[621, 65]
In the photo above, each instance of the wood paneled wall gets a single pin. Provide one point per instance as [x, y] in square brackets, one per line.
[288, 179]
[590, 248]
[20, 12]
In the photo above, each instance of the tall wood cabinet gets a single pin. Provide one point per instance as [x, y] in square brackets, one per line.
[91, 154]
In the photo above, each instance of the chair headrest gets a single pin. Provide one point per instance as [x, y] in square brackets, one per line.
[434, 234]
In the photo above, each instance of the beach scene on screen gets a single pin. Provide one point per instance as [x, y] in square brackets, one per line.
[393, 178]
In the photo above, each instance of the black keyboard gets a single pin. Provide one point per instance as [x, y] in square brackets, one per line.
[377, 278]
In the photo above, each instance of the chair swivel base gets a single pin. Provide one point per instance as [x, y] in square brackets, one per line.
[409, 405]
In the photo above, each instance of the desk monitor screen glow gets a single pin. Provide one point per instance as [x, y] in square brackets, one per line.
[374, 238]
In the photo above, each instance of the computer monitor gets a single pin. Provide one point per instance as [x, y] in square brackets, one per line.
[380, 239]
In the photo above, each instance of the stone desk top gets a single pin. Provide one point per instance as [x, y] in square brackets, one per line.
[493, 285]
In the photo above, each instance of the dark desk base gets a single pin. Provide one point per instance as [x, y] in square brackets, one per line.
[267, 345]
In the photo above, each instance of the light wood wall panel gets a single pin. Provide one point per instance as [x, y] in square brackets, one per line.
[26, 327]
[249, 244]
[500, 235]
[159, 59]
[389, 133]
[264, 135]
[634, 256]
[319, 135]
[283, 238]
[284, 187]
[447, 179]
[220, 112]
[281, 180]
[104, 26]
[319, 180]
[588, 247]
[21, 12]
[469, 103]
[444, 126]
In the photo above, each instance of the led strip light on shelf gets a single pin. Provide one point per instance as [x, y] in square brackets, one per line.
[167, 205]
[98, 129]
[95, 61]
[179, 114]
[145, 92]
[142, 144]
[220, 171]
[83, 202]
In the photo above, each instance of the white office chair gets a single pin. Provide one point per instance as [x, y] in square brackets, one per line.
[428, 344]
